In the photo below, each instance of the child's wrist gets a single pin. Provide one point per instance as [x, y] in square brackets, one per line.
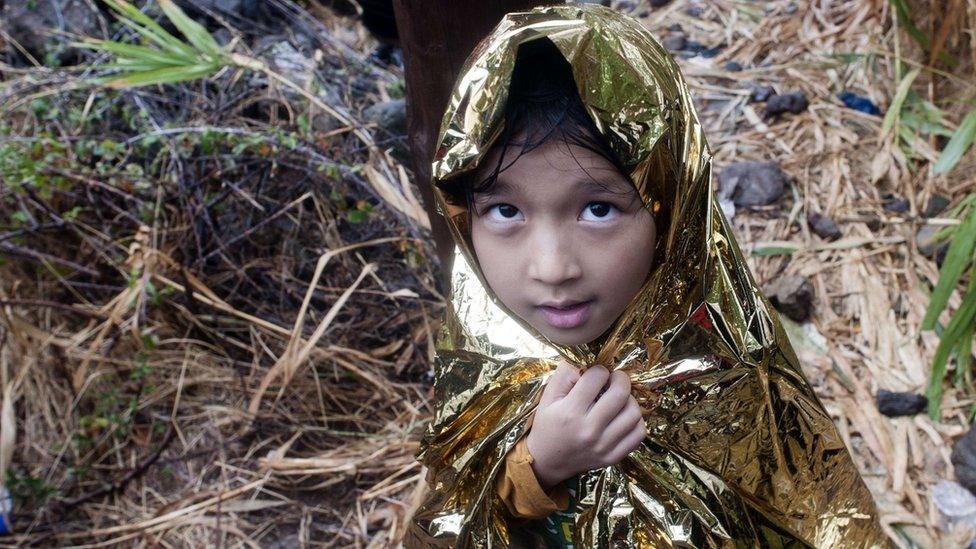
[547, 474]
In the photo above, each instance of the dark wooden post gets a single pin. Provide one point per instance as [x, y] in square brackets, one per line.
[436, 37]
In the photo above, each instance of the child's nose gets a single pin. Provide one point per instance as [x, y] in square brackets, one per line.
[552, 259]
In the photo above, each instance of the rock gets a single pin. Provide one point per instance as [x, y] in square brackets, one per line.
[957, 504]
[894, 404]
[895, 204]
[791, 8]
[823, 226]
[694, 48]
[390, 116]
[676, 27]
[761, 93]
[794, 102]
[659, 3]
[391, 126]
[36, 26]
[937, 203]
[601, 2]
[674, 42]
[695, 11]
[752, 183]
[626, 6]
[863, 104]
[927, 244]
[964, 460]
[792, 296]
[733, 66]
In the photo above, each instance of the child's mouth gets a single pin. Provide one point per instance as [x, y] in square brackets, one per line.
[567, 317]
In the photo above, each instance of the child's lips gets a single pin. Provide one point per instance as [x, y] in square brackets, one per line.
[567, 317]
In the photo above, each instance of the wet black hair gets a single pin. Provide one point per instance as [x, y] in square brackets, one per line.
[543, 103]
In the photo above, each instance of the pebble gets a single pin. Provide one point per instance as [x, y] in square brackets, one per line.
[964, 460]
[937, 203]
[894, 404]
[896, 204]
[761, 93]
[823, 226]
[752, 183]
[675, 42]
[659, 3]
[792, 296]
[733, 66]
[794, 102]
[927, 244]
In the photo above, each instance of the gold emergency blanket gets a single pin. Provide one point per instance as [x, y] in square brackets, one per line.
[741, 452]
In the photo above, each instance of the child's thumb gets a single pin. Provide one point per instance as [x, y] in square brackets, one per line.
[560, 383]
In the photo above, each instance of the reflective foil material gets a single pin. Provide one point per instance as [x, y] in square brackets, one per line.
[741, 453]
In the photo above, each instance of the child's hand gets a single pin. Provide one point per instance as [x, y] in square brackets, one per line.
[576, 429]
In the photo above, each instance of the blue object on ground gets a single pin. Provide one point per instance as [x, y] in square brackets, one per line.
[858, 103]
[6, 507]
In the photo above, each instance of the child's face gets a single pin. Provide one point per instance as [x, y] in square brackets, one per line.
[562, 253]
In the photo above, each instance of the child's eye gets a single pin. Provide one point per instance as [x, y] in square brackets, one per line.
[503, 212]
[600, 211]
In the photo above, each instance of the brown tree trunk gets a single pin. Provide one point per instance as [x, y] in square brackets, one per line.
[436, 37]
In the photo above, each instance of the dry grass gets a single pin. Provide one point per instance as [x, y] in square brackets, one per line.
[274, 396]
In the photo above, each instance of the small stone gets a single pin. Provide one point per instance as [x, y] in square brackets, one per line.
[761, 93]
[894, 404]
[695, 11]
[675, 42]
[390, 116]
[752, 183]
[937, 203]
[601, 2]
[792, 296]
[794, 102]
[676, 27]
[964, 460]
[733, 66]
[823, 226]
[626, 5]
[391, 124]
[895, 204]
[791, 8]
[659, 3]
[927, 244]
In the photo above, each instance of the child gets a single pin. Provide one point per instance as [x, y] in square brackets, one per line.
[576, 181]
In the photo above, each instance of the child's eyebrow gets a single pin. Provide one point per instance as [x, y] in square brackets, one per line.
[600, 186]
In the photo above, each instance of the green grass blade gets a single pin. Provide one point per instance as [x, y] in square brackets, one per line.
[160, 76]
[964, 355]
[958, 257]
[958, 144]
[145, 25]
[141, 54]
[958, 325]
[898, 101]
[194, 32]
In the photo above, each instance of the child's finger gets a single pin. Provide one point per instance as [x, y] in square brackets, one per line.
[625, 421]
[612, 401]
[630, 443]
[589, 384]
[560, 383]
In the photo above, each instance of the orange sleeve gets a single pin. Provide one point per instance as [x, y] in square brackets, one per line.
[519, 489]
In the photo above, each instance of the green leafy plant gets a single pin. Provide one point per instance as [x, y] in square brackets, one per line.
[957, 337]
